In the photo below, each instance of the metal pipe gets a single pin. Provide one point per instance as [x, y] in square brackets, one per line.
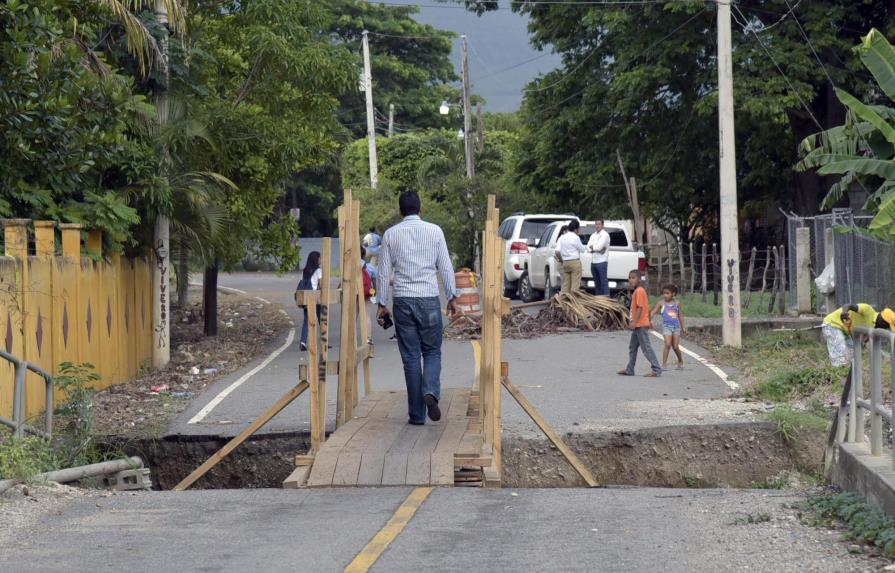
[92, 470]
[18, 400]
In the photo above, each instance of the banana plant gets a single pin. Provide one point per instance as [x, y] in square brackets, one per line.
[862, 149]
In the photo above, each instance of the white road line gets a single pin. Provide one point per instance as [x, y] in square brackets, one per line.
[229, 289]
[718, 372]
[229, 389]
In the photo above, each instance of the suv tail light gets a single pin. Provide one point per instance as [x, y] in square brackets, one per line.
[518, 248]
[641, 265]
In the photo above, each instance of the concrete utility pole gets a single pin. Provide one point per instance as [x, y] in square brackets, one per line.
[161, 245]
[371, 120]
[730, 243]
[391, 119]
[467, 112]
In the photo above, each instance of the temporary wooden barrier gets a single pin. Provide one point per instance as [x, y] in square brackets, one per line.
[70, 307]
[494, 306]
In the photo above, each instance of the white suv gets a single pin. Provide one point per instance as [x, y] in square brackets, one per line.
[521, 233]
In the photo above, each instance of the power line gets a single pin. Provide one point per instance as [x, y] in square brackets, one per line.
[446, 36]
[584, 3]
[795, 92]
[567, 74]
[511, 67]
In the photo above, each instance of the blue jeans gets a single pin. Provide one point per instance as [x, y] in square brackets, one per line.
[640, 341]
[419, 329]
[600, 272]
[304, 326]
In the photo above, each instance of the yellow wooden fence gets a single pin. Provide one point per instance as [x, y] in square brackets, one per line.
[71, 307]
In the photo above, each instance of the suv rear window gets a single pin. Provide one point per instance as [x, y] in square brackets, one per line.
[533, 228]
[617, 238]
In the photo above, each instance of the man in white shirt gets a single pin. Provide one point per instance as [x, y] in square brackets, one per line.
[568, 250]
[598, 246]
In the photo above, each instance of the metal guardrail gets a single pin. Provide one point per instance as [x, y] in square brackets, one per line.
[18, 398]
[858, 406]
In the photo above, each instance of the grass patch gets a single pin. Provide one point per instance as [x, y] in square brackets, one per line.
[750, 519]
[23, 458]
[692, 305]
[863, 522]
[791, 423]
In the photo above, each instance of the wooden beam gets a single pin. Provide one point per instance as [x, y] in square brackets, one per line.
[318, 425]
[304, 460]
[551, 435]
[303, 297]
[298, 478]
[228, 448]
[323, 351]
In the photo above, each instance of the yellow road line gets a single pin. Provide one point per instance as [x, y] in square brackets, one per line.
[377, 546]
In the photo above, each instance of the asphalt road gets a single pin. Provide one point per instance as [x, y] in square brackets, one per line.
[570, 378]
[595, 531]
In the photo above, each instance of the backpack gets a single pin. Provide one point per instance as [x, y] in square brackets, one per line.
[369, 290]
[304, 284]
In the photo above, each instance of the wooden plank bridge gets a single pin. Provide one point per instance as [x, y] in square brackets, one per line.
[373, 444]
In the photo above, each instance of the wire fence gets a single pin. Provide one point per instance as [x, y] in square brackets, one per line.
[864, 266]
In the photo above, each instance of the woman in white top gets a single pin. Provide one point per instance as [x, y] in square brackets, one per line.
[310, 280]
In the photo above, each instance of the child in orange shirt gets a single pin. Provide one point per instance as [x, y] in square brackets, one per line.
[640, 325]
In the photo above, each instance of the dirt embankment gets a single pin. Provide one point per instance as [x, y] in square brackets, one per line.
[712, 455]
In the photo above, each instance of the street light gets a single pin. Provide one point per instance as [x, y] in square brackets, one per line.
[445, 108]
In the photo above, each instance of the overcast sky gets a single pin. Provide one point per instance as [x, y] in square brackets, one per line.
[497, 40]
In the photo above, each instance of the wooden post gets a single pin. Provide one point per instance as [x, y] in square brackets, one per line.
[359, 306]
[764, 276]
[323, 348]
[311, 373]
[692, 270]
[749, 277]
[680, 257]
[348, 340]
[95, 242]
[782, 302]
[716, 273]
[704, 273]
[776, 276]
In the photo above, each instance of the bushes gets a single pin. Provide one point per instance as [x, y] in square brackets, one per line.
[865, 524]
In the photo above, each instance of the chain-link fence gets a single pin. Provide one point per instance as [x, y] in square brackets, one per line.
[864, 266]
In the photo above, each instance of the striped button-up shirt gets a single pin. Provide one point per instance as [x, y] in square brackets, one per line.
[414, 252]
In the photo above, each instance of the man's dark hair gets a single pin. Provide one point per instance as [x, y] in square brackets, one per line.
[409, 203]
[373, 229]
[574, 225]
[599, 220]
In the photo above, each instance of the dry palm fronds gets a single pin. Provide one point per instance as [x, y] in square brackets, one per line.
[567, 311]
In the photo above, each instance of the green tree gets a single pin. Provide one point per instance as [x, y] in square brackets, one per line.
[72, 139]
[642, 80]
[269, 80]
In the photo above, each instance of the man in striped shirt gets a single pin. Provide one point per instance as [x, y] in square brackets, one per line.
[415, 253]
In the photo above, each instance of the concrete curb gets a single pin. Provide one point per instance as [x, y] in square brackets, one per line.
[856, 470]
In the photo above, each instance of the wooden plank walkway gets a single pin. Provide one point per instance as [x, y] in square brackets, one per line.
[378, 447]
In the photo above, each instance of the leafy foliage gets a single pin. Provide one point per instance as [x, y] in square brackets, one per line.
[865, 523]
[862, 149]
[71, 138]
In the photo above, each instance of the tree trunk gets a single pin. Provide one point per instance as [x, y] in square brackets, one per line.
[183, 275]
[210, 299]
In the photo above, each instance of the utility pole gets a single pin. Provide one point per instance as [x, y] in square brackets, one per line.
[467, 112]
[161, 245]
[371, 120]
[480, 127]
[730, 244]
[391, 119]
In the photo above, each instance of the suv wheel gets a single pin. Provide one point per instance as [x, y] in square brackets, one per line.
[526, 292]
[549, 291]
[509, 288]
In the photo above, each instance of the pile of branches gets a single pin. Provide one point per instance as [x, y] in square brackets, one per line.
[567, 312]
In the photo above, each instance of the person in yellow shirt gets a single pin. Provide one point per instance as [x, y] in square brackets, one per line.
[839, 329]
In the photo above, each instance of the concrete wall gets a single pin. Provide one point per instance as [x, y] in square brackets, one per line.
[856, 470]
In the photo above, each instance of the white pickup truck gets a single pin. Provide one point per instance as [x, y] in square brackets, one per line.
[543, 273]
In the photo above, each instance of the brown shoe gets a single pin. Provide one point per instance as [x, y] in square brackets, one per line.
[625, 373]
